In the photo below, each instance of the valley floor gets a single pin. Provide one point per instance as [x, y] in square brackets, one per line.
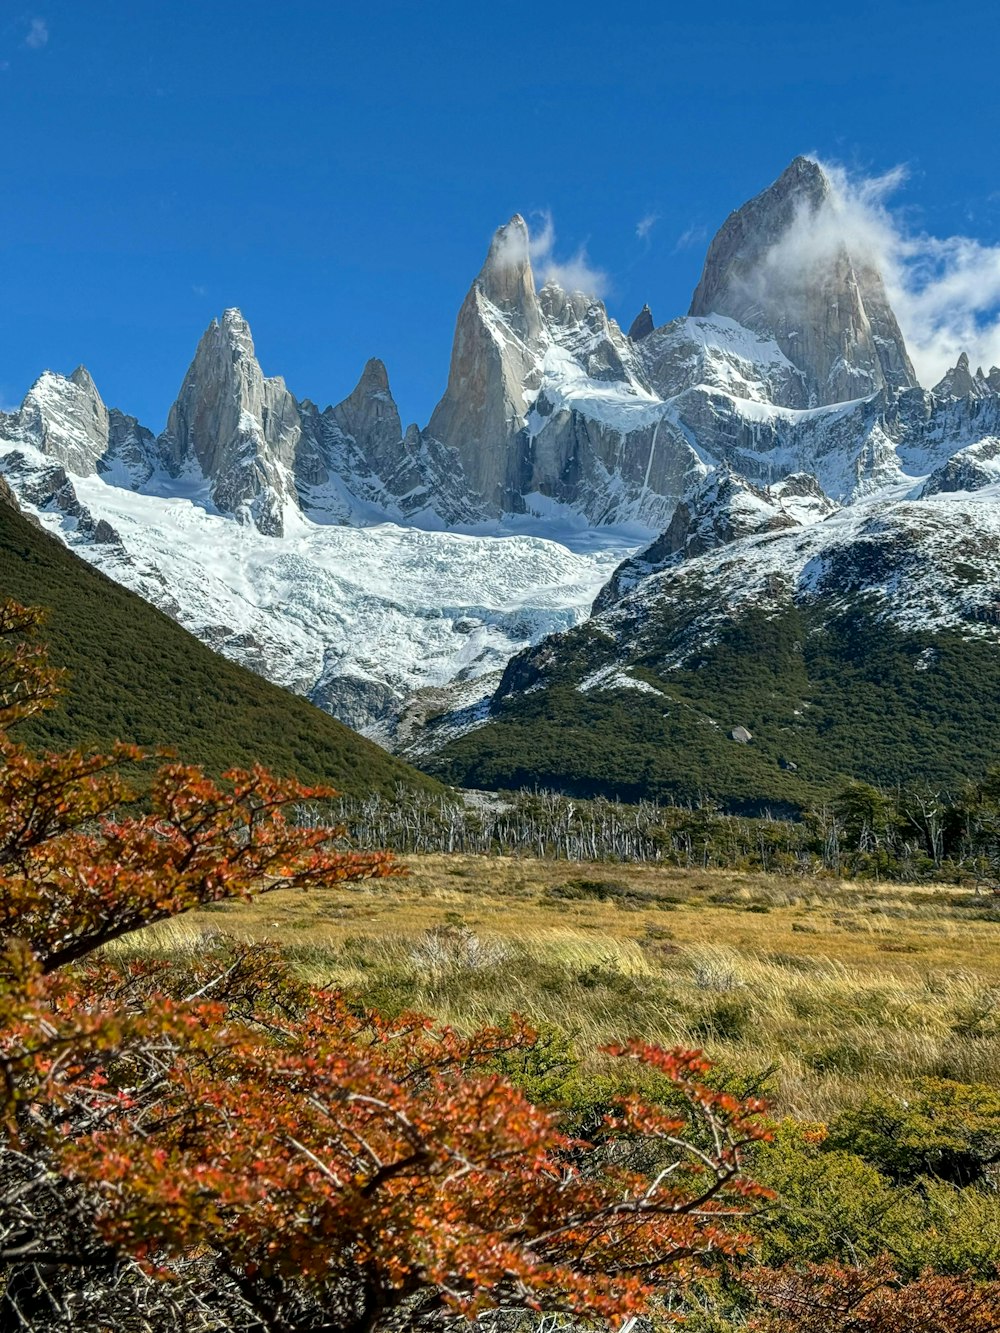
[815, 989]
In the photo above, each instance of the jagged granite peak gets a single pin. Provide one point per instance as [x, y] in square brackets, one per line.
[370, 414]
[580, 325]
[712, 431]
[751, 230]
[240, 428]
[495, 372]
[353, 463]
[506, 278]
[959, 382]
[780, 265]
[65, 418]
[642, 326]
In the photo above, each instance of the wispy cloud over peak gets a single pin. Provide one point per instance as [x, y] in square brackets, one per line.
[575, 274]
[945, 290]
[690, 237]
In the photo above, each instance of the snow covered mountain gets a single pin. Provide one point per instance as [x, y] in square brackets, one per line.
[260, 525]
[385, 571]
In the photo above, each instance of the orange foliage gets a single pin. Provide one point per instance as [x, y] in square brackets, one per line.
[312, 1166]
[830, 1298]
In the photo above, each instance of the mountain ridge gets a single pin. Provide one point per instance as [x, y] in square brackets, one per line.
[377, 569]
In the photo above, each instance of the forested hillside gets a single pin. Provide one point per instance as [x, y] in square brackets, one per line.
[824, 700]
[136, 675]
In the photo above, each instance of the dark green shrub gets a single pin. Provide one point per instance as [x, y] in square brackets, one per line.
[942, 1128]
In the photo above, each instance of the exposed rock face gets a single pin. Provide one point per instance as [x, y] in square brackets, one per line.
[959, 382]
[370, 415]
[642, 326]
[969, 470]
[599, 439]
[241, 429]
[927, 565]
[723, 509]
[66, 420]
[802, 498]
[548, 400]
[579, 325]
[495, 372]
[786, 393]
[132, 454]
[7, 496]
[779, 266]
[716, 352]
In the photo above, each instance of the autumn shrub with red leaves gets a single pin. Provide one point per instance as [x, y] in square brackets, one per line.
[834, 1298]
[210, 1145]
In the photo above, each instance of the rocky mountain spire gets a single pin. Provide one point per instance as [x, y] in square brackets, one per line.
[506, 279]
[959, 382]
[783, 266]
[369, 415]
[241, 429]
[642, 326]
[495, 370]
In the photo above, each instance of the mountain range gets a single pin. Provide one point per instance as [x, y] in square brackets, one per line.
[587, 516]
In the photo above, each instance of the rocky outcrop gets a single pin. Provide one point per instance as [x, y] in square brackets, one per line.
[959, 382]
[132, 455]
[65, 419]
[7, 496]
[548, 401]
[781, 267]
[715, 352]
[723, 509]
[969, 470]
[579, 325]
[600, 440]
[735, 431]
[370, 416]
[803, 498]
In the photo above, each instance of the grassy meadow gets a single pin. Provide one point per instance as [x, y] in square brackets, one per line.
[816, 989]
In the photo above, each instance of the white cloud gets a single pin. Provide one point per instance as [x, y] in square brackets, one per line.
[38, 34]
[945, 291]
[645, 225]
[575, 274]
[692, 236]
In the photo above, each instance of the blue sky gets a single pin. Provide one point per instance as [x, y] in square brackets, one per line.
[336, 170]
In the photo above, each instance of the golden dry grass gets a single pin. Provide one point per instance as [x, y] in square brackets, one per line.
[831, 985]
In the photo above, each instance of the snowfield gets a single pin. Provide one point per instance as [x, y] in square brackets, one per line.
[392, 607]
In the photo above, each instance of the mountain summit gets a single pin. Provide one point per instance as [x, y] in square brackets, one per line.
[785, 266]
[240, 429]
[495, 371]
[750, 438]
